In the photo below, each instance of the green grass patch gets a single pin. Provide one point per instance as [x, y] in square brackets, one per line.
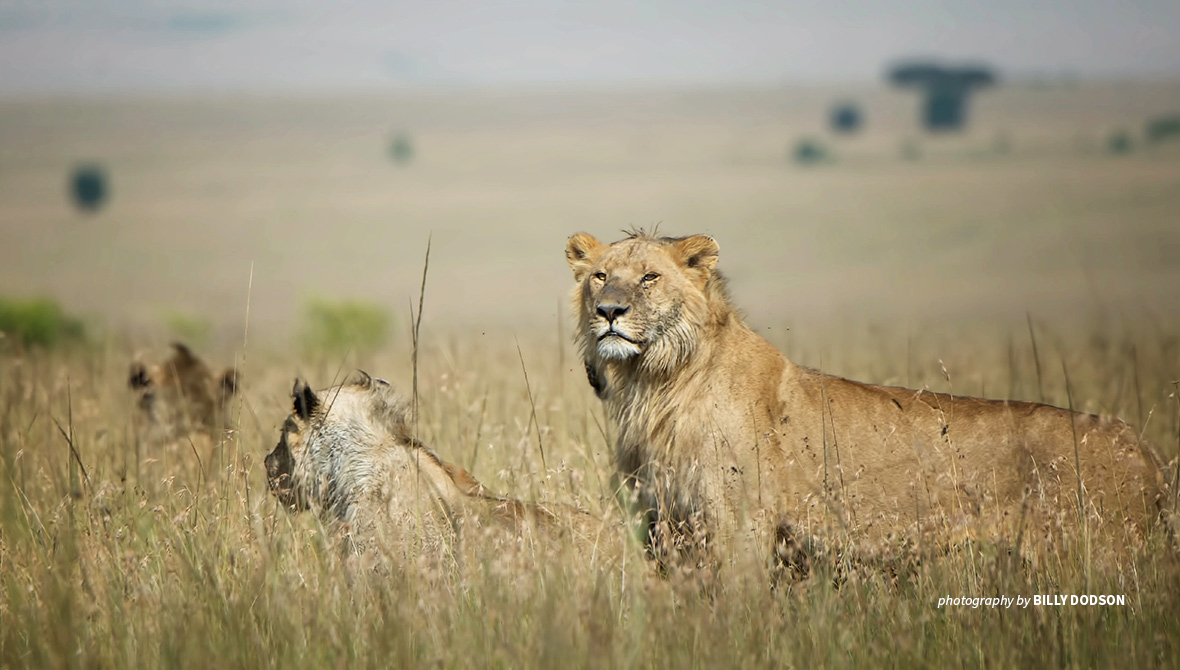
[38, 322]
[340, 326]
[194, 330]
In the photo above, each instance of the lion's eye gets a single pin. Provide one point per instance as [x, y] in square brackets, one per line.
[650, 277]
[600, 276]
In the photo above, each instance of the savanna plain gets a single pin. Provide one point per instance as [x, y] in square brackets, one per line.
[1026, 258]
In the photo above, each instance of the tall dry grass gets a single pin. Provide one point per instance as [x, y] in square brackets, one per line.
[121, 554]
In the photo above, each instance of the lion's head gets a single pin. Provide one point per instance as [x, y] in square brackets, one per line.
[325, 427]
[280, 462]
[181, 394]
[643, 299]
[349, 454]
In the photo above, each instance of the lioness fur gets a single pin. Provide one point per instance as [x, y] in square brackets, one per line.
[726, 444]
[349, 453]
[181, 396]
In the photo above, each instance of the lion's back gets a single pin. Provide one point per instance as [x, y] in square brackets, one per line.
[961, 461]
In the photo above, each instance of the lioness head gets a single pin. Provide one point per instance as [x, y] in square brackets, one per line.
[280, 462]
[644, 298]
[323, 430]
[182, 394]
[344, 442]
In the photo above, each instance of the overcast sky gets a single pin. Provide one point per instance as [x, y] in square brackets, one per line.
[79, 46]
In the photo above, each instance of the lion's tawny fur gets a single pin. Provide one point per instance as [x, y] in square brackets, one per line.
[181, 396]
[726, 442]
[349, 453]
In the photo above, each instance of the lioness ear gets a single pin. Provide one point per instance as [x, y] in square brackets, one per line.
[582, 251]
[138, 379]
[363, 380]
[183, 353]
[229, 382]
[305, 400]
[699, 252]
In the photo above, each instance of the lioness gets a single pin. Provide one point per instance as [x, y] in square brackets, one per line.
[181, 396]
[725, 442]
[349, 453]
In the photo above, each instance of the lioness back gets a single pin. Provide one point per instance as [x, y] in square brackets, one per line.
[727, 444]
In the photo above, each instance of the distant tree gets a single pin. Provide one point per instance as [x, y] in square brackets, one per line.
[88, 187]
[946, 91]
[845, 118]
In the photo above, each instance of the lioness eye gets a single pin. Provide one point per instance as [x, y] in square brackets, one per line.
[650, 277]
[600, 276]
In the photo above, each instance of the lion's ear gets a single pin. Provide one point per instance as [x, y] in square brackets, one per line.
[699, 253]
[183, 354]
[582, 251]
[139, 379]
[306, 401]
[229, 382]
[363, 380]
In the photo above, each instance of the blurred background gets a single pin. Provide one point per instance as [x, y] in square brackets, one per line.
[168, 168]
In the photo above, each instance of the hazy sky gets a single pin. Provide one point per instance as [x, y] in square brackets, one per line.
[54, 46]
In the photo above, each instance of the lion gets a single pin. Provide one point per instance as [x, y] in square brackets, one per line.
[349, 454]
[730, 448]
[181, 396]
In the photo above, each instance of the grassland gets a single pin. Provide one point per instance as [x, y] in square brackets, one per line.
[115, 553]
[177, 556]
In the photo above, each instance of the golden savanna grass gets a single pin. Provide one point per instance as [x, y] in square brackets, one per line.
[115, 557]
[118, 553]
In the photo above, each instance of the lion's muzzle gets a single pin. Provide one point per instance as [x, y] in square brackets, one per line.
[610, 311]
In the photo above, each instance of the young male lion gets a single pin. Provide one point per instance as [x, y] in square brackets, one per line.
[725, 442]
[181, 396]
[349, 453]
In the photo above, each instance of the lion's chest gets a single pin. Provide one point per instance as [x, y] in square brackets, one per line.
[692, 457]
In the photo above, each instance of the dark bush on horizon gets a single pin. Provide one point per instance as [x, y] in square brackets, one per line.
[1119, 142]
[846, 118]
[401, 149]
[1162, 128]
[89, 187]
[809, 151]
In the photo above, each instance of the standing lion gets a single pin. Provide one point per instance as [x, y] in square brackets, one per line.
[732, 449]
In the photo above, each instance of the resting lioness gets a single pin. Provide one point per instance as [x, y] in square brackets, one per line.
[181, 396]
[728, 444]
[349, 452]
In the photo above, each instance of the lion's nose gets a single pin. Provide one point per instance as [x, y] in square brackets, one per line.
[612, 312]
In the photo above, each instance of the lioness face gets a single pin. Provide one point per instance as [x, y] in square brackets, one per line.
[643, 296]
[182, 393]
[280, 462]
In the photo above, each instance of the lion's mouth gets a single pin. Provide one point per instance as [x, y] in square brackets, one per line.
[284, 489]
[280, 483]
[614, 333]
[613, 344]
